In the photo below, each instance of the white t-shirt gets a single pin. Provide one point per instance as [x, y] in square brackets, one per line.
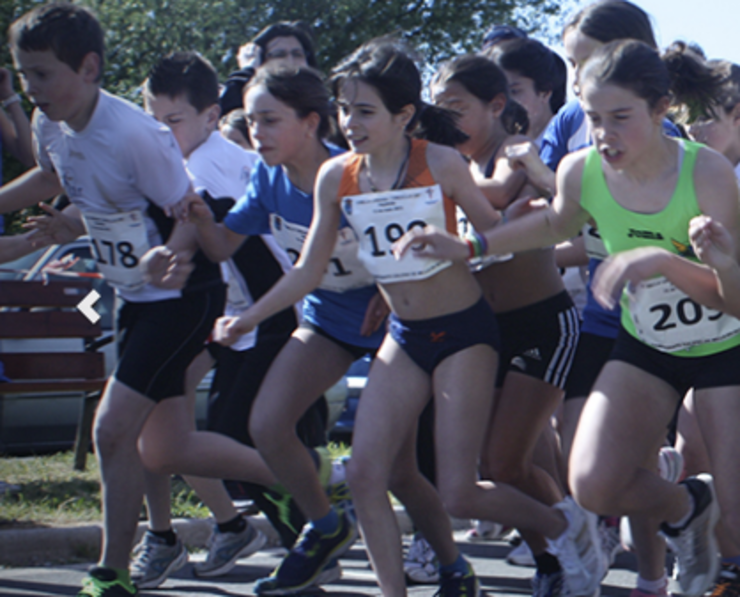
[120, 160]
[220, 167]
[223, 168]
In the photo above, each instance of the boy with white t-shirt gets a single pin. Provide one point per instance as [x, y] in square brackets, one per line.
[181, 91]
[122, 171]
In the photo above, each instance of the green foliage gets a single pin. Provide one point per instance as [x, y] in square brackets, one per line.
[140, 31]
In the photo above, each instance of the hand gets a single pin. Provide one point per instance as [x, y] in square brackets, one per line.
[629, 267]
[53, 228]
[191, 208]
[250, 54]
[229, 328]
[6, 84]
[165, 268]
[375, 314]
[712, 243]
[431, 242]
[526, 156]
[525, 205]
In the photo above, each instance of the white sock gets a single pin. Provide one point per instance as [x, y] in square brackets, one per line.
[652, 586]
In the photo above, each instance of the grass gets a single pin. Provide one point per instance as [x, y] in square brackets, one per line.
[51, 492]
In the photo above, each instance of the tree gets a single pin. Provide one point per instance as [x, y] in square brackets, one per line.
[138, 32]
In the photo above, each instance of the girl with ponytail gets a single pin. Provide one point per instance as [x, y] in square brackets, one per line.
[643, 188]
[442, 338]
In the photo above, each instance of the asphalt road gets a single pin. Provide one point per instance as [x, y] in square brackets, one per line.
[496, 575]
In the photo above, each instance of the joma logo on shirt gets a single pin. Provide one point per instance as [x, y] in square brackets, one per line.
[648, 234]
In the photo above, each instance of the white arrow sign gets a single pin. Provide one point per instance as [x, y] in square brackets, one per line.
[85, 306]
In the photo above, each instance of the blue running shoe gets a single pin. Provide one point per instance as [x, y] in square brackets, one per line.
[458, 585]
[307, 562]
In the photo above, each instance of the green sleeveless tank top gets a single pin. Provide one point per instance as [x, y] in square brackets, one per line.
[622, 230]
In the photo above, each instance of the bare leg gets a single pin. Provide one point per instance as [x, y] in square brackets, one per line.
[522, 412]
[307, 366]
[392, 401]
[120, 418]
[624, 418]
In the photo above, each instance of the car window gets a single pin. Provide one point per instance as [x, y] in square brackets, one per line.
[14, 270]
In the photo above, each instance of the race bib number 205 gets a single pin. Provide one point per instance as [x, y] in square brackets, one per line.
[667, 319]
[118, 241]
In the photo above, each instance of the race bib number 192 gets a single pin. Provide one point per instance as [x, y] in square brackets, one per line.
[118, 241]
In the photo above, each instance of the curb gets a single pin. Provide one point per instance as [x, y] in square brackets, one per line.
[40, 546]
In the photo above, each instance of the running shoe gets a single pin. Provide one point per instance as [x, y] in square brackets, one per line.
[695, 545]
[611, 543]
[458, 585]
[578, 549]
[521, 555]
[304, 563]
[670, 464]
[421, 565]
[549, 585]
[728, 581]
[485, 530]
[154, 561]
[104, 582]
[224, 549]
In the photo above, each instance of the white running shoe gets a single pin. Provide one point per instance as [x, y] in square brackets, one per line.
[611, 543]
[578, 549]
[521, 555]
[695, 546]
[154, 561]
[670, 464]
[421, 565]
[485, 530]
[224, 549]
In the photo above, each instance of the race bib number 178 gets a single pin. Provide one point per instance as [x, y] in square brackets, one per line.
[118, 241]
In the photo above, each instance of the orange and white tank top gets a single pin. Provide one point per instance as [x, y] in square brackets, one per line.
[380, 219]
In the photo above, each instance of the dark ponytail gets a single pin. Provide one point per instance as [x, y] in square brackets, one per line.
[680, 74]
[386, 64]
[694, 84]
[438, 125]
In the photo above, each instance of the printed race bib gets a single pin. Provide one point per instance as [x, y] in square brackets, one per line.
[668, 320]
[345, 271]
[380, 219]
[595, 248]
[118, 242]
[465, 229]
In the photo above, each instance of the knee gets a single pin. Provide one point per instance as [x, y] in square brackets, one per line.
[158, 459]
[594, 494]
[110, 436]
[511, 473]
[269, 433]
[365, 477]
[458, 501]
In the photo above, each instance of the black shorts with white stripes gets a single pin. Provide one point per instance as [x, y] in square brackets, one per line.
[539, 340]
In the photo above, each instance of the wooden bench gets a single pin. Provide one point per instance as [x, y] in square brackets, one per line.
[46, 314]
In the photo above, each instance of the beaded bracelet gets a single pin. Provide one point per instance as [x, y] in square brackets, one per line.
[477, 245]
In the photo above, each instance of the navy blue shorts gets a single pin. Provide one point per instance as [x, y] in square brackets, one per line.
[430, 341]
